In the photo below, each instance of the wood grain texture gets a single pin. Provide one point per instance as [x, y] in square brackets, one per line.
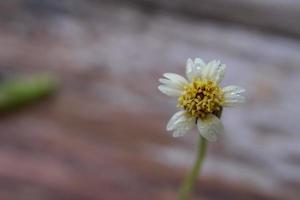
[270, 15]
[102, 136]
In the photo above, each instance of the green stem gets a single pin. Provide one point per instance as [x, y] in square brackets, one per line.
[188, 184]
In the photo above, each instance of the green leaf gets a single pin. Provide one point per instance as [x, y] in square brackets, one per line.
[23, 91]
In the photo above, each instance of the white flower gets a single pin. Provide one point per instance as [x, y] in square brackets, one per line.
[200, 98]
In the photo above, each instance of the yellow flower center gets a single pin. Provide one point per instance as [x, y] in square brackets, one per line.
[201, 98]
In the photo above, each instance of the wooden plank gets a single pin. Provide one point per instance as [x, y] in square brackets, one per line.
[103, 136]
[272, 15]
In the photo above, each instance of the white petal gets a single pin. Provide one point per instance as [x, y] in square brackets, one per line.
[174, 118]
[210, 127]
[170, 84]
[233, 96]
[189, 69]
[169, 91]
[183, 126]
[198, 63]
[165, 81]
[213, 66]
[213, 71]
[193, 69]
[218, 73]
[180, 123]
[233, 99]
[205, 71]
[176, 80]
[233, 89]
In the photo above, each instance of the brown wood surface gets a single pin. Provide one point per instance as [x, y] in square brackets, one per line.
[269, 15]
[102, 135]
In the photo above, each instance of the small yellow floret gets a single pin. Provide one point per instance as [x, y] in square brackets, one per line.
[201, 98]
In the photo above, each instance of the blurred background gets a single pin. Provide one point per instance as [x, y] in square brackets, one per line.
[101, 135]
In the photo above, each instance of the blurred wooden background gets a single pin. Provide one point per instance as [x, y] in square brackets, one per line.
[102, 135]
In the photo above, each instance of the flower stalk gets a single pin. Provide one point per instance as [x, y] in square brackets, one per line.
[190, 180]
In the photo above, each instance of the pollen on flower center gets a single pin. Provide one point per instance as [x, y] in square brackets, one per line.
[201, 98]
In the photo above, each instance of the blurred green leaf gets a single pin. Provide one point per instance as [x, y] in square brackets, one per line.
[20, 92]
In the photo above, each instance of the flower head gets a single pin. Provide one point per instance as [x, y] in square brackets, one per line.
[200, 98]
